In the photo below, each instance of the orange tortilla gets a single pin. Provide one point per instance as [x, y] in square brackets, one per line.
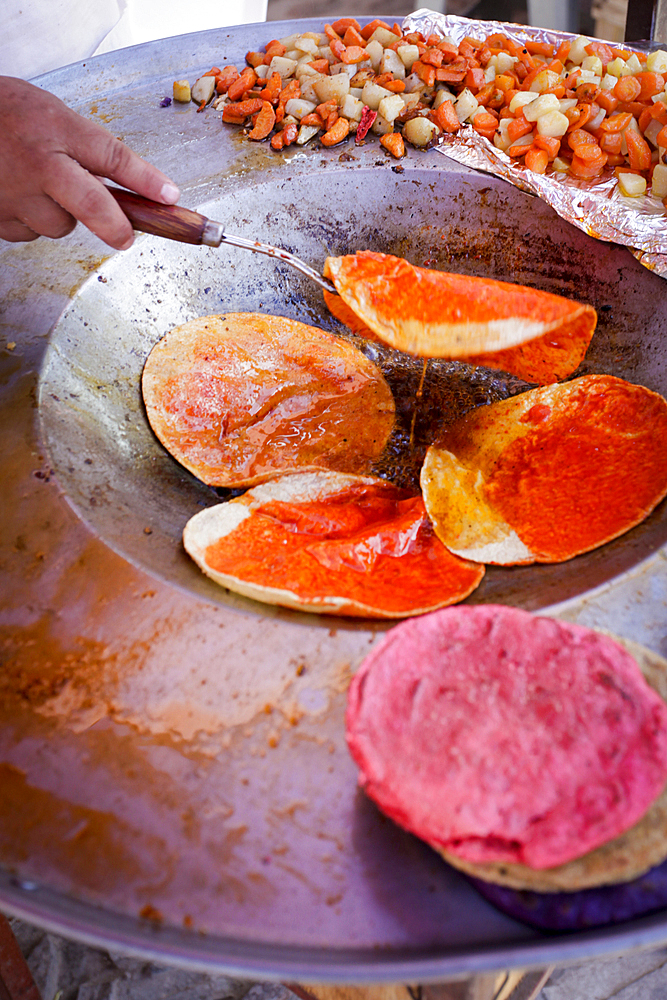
[530, 333]
[330, 543]
[548, 474]
[241, 398]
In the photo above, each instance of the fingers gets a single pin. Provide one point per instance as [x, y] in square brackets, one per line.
[85, 198]
[100, 153]
[15, 232]
[43, 216]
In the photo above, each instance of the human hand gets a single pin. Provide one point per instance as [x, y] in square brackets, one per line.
[51, 161]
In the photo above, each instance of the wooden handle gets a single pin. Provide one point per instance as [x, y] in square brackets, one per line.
[170, 221]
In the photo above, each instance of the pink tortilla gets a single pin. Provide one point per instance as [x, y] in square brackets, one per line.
[501, 736]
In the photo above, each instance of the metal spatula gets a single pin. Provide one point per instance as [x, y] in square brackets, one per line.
[173, 222]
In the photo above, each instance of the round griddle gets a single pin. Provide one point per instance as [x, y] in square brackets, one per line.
[173, 775]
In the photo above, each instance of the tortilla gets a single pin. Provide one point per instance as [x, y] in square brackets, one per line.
[530, 333]
[330, 543]
[622, 859]
[548, 474]
[241, 398]
[500, 737]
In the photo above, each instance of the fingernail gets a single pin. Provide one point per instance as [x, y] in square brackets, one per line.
[127, 244]
[170, 193]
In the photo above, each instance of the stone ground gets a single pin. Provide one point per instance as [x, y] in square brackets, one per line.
[66, 970]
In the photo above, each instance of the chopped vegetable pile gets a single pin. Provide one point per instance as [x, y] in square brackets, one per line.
[585, 108]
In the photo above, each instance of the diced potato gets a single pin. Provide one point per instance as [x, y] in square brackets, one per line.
[347, 69]
[308, 90]
[392, 63]
[384, 37]
[618, 67]
[547, 79]
[330, 88]
[408, 54]
[288, 40]
[305, 134]
[381, 126]
[351, 108]
[420, 131]
[567, 103]
[560, 165]
[593, 64]
[657, 61]
[631, 185]
[414, 83]
[282, 65]
[299, 108]
[391, 107]
[466, 105]
[635, 128]
[303, 70]
[578, 52]
[540, 106]
[588, 77]
[375, 52]
[553, 124]
[182, 92]
[608, 81]
[633, 64]
[597, 119]
[306, 43]
[293, 54]
[651, 131]
[360, 77]
[489, 74]
[501, 139]
[326, 53]
[442, 94]
[659, 181]
[521, 99]
[372, 94]
[409, 100]
[203, 89]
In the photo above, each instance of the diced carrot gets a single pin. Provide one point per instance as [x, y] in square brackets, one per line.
[343, 23]
[263, 123]
[517, 150]
[588, 169]
[563, 51]
[312, 119]
[644, 119]
[611, 142]
[615, 159]
[337, 133]
[578, 116]
[245, 82]
[271, 92]
[587, 92]
[424, 72]
[395, 86]
[650, 83]
[445, 117]
[518, 128]
[484, 55]
[232, 111]
[321, 65]
[353, 37]
[225, 79]
[639, 151]
[253, 59]
[353, 54]
[633, 108]
[661, 138]
[628, 88]
[616, 123]
[549, 143]
[393, 141]
[474, 79]
[580, 137]
[449, 74]
[466, 50]
[504, 82]
[397, 29]
[607, 101]
[433, 57]
[449, 50]
[601, 50]
[540, 48]
[368, 30]
[275, 48]
[325, 109]
[537, 160]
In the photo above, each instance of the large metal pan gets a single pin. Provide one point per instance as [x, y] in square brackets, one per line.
[173, 775]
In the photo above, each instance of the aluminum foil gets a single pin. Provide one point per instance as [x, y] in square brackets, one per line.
[594, 206]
